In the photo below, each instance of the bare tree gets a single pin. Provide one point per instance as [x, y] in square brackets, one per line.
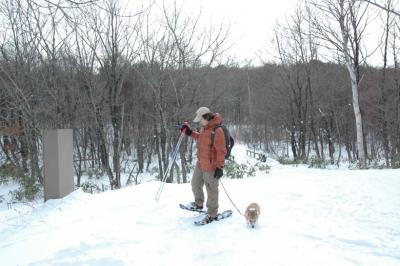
[383, 110]
[346, 36]
[297, 50]
[19, 56]
[115, 47]
[395, 153]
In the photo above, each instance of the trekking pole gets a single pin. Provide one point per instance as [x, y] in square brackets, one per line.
[174, 155]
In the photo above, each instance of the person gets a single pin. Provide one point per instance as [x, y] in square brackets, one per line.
[210, 161]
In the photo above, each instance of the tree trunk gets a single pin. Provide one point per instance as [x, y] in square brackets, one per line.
[357, 115]
[321, 140]
[353, 73]
[315, 137]
[331, 144]
[383, 107]
[151, 150]
[396, 135]
[140, 152]
[159, 157]
[293, 143]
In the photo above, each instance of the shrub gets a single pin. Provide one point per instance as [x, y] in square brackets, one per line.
[286, 160]
[263, 167]
[396, 161]
[28, 190]
[235, 170]
[356, 165]
[3, 180]
[29, 185]
[377, 164]
[90, 187]
[316, 162]
[8, 171]
[98, 172]
[396, 164]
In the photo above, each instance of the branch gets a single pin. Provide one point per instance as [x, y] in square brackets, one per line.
[374, 3]
[72, 2]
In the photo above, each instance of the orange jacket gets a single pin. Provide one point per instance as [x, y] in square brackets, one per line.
[210, 156]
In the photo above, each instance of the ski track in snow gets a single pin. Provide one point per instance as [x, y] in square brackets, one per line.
[308, 217]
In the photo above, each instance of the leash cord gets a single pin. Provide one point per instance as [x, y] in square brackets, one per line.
[230, 198]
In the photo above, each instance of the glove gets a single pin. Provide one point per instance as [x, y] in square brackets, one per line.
[218, 173]
[185, 128]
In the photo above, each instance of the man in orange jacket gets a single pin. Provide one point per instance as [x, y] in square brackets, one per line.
[210, 160]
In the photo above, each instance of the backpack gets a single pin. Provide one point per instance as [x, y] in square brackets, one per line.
[229, 141]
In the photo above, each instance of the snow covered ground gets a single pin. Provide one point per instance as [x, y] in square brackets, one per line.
[308, 217]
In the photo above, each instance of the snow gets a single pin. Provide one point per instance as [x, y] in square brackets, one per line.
[308, 217]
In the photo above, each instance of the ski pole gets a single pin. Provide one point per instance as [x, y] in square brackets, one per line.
[174, 155]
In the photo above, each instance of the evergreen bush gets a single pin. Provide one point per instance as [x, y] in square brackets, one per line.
[316, 162]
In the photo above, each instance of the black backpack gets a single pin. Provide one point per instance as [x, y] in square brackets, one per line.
[229, 141]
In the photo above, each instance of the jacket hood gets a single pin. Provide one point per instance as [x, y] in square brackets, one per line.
[214, 122]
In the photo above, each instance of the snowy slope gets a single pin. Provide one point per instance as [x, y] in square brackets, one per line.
[308, 217]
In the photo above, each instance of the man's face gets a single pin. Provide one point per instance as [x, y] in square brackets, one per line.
[203, 122]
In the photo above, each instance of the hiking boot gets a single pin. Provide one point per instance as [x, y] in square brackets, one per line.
[195, 207]
[208, 219]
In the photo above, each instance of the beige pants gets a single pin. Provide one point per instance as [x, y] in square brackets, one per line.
[200, 179]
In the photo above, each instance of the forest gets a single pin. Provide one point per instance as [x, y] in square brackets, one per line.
[125, 82]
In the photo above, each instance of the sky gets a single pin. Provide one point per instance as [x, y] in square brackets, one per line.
[251, 22]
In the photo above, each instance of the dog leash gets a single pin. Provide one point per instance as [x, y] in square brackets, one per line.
[230, 198]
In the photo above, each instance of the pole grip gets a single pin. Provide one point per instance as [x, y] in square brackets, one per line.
[187, 124]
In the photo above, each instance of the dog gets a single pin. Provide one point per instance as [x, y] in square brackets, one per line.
[252, 213]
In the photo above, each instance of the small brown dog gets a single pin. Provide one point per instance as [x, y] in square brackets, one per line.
[252, 213]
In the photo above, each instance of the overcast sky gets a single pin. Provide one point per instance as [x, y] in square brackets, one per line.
[252, 23]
